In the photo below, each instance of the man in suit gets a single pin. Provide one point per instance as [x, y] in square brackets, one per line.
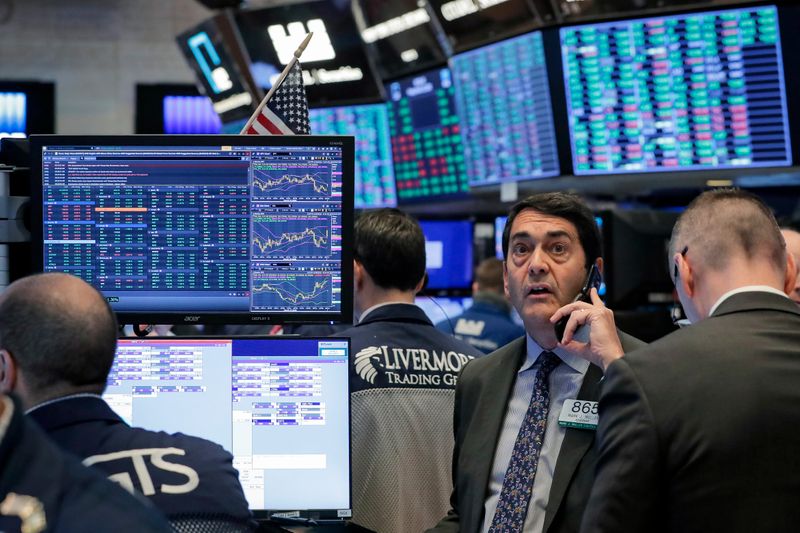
[515, 467]
[403, 376]
[58, 340]
[699, 431]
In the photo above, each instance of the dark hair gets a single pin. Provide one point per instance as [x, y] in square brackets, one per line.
[568, 206]
[489, 275]
[391, 247]
[55, 342]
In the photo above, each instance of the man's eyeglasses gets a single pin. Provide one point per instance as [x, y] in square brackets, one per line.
[677, 313]
[675, 266]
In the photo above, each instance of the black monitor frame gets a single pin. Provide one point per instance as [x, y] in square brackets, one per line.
[347, 143]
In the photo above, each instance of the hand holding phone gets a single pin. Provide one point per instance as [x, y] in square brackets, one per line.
[593, 280]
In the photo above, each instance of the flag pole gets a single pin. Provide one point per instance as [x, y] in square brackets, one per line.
[286, 70]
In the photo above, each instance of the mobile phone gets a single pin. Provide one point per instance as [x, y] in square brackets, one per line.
[593, 279]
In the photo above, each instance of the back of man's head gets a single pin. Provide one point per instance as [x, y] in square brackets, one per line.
[564, 205]
[60, 333]
[489, 275]
[725, 225]
[390, 245]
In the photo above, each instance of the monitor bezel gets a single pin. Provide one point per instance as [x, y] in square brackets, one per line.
[37, 142]
[266, 514]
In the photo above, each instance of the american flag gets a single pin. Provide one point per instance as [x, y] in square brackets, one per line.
[286, 112]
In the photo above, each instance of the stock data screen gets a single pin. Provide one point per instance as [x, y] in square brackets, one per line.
[503, 100]
[279, 405]
[696, 91]
[198, 229]
[426, 137]
[369, 124]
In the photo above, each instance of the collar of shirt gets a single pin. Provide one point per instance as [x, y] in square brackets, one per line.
[376, 306]
[61, 399]
[747, 288]
[534, 351]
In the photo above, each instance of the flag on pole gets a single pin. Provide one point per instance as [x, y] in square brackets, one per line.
[284, 110]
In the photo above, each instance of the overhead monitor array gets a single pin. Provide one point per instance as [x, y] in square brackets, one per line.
[697, 91]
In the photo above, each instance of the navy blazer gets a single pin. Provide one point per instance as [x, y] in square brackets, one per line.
[183, 476]
[72, 497]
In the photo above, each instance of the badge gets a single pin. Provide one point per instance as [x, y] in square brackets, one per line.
[581, 414]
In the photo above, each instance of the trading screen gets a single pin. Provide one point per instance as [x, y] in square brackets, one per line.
[169, 229]
[426, 137]
[695, 91]
[369, 124]
[279, 405]
[503, 100]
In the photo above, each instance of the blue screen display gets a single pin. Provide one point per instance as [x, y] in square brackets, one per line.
[374, 169]
[13, 117]
[696, 91]
[190, 114]
[279, 405]
[448, 253]
[503, 101]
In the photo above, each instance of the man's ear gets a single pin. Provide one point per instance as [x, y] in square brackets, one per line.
[600, 264]
[8, 372]
[685, 274]
[791, 274]
[358, 274]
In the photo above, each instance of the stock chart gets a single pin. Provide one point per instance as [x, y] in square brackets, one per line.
[275, 289]
[503, 100]
[703, 90]
[370, 125]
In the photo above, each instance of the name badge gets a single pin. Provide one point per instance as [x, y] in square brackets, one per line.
[581, 414]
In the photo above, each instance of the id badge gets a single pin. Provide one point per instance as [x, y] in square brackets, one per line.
[580, 414]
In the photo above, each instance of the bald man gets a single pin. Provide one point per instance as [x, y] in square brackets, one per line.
[792, 238]
[699, 431]
[58, 338]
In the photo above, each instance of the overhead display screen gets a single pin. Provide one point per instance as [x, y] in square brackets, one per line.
[697, 91]
[503, 101]
[369, 124]
[335, 65]
[426, 137]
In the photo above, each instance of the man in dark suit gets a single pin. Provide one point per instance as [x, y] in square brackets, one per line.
[58, 339]
[699, 431]
[508, 404]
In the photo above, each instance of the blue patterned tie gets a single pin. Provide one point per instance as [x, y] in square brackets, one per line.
[512, 506]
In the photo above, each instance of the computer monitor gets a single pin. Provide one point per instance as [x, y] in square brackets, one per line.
[695, 91]
[499, 227]
[441, 308]
[280, 405]
[448, 253]
[369, 124]
[193, 229]
[426, 138]
[403, 36]
[174, 109]
[503, 101]
[26, 107]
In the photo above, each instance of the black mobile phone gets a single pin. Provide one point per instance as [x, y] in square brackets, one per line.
[593, 279]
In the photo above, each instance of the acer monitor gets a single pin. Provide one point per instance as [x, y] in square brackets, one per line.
[194, 229]
[279, 405]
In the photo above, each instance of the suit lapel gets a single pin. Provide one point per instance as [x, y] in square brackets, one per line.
[575, 445]
[490, 414]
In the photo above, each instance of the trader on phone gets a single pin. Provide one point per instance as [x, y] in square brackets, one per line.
[520, 462]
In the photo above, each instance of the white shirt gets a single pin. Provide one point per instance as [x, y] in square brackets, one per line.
[565, 382]
[747, 288]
